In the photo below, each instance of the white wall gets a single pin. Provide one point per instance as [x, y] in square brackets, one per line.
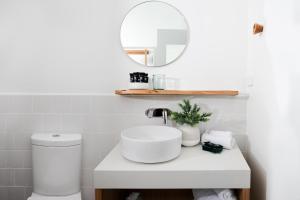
[64, 46]
[57, 46]
[215, 57]
[273, 107]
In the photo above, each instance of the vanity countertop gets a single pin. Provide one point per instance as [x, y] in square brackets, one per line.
[194, 168]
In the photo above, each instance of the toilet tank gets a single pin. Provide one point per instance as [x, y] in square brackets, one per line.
[56, 163]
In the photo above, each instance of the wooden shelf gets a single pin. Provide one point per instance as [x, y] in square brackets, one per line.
[178, 92]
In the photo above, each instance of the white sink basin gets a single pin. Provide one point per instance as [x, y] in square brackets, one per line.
[151, 144]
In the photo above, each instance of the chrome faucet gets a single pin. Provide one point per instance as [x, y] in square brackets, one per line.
[158, 112]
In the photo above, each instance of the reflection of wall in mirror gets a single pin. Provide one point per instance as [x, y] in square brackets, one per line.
[175, 40]
[169, 45]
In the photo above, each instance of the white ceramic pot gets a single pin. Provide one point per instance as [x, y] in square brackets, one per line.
[190, 135]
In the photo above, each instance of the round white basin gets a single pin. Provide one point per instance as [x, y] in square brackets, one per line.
[151, 144]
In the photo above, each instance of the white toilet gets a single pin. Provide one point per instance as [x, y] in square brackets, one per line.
[56, 166]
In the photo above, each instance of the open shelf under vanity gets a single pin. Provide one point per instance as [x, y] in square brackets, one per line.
[158, 194]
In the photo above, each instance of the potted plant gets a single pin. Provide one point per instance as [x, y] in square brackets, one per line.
[188, 122]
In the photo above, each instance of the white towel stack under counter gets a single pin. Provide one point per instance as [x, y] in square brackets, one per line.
[214, 194]
[225, 194]
[205, 194]
[223, 138]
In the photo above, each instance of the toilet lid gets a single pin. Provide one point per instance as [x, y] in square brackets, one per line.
[56, 139]
[35, 196]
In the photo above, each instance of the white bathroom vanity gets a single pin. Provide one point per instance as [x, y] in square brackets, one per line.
[115, 177]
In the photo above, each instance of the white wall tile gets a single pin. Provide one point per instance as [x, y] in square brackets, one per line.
[4, 193]
[16, 193]
[117, 104]
[24, 122]
[15, 159]
[52, 104]
[130, 120]
[5, 103]
[73, 123]
[21, 140]
[23, 177]
[21, 104]
[6, 177]
[102, 105]
[3, 158]
[52, 122]
[92, 153]
[2, 122]
[10, 143]
[137, 105]
[96, 146]
[4, 140]
[103, 123]
[27, 159]
[81, 104]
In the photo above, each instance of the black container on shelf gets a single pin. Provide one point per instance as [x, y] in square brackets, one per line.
[139, 77]
[214, 148]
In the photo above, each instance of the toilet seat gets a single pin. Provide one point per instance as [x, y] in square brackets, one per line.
[36, 196]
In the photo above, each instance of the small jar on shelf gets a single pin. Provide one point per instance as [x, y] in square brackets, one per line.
[139, 81]
[159, 81]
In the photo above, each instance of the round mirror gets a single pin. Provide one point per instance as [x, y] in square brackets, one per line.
[154, 33]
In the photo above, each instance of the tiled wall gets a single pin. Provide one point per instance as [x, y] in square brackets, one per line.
[99, 118]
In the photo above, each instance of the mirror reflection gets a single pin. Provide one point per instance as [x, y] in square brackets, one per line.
[154, 33]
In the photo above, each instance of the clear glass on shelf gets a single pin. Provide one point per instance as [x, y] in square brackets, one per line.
[159, 81]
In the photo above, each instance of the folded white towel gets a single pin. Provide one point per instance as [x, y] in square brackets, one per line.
[225, 140]
[205, 194]
[133, 196]
[225, 194]
[221, 133]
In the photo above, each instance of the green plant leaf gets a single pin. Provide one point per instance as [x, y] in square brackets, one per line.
[190, 115]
